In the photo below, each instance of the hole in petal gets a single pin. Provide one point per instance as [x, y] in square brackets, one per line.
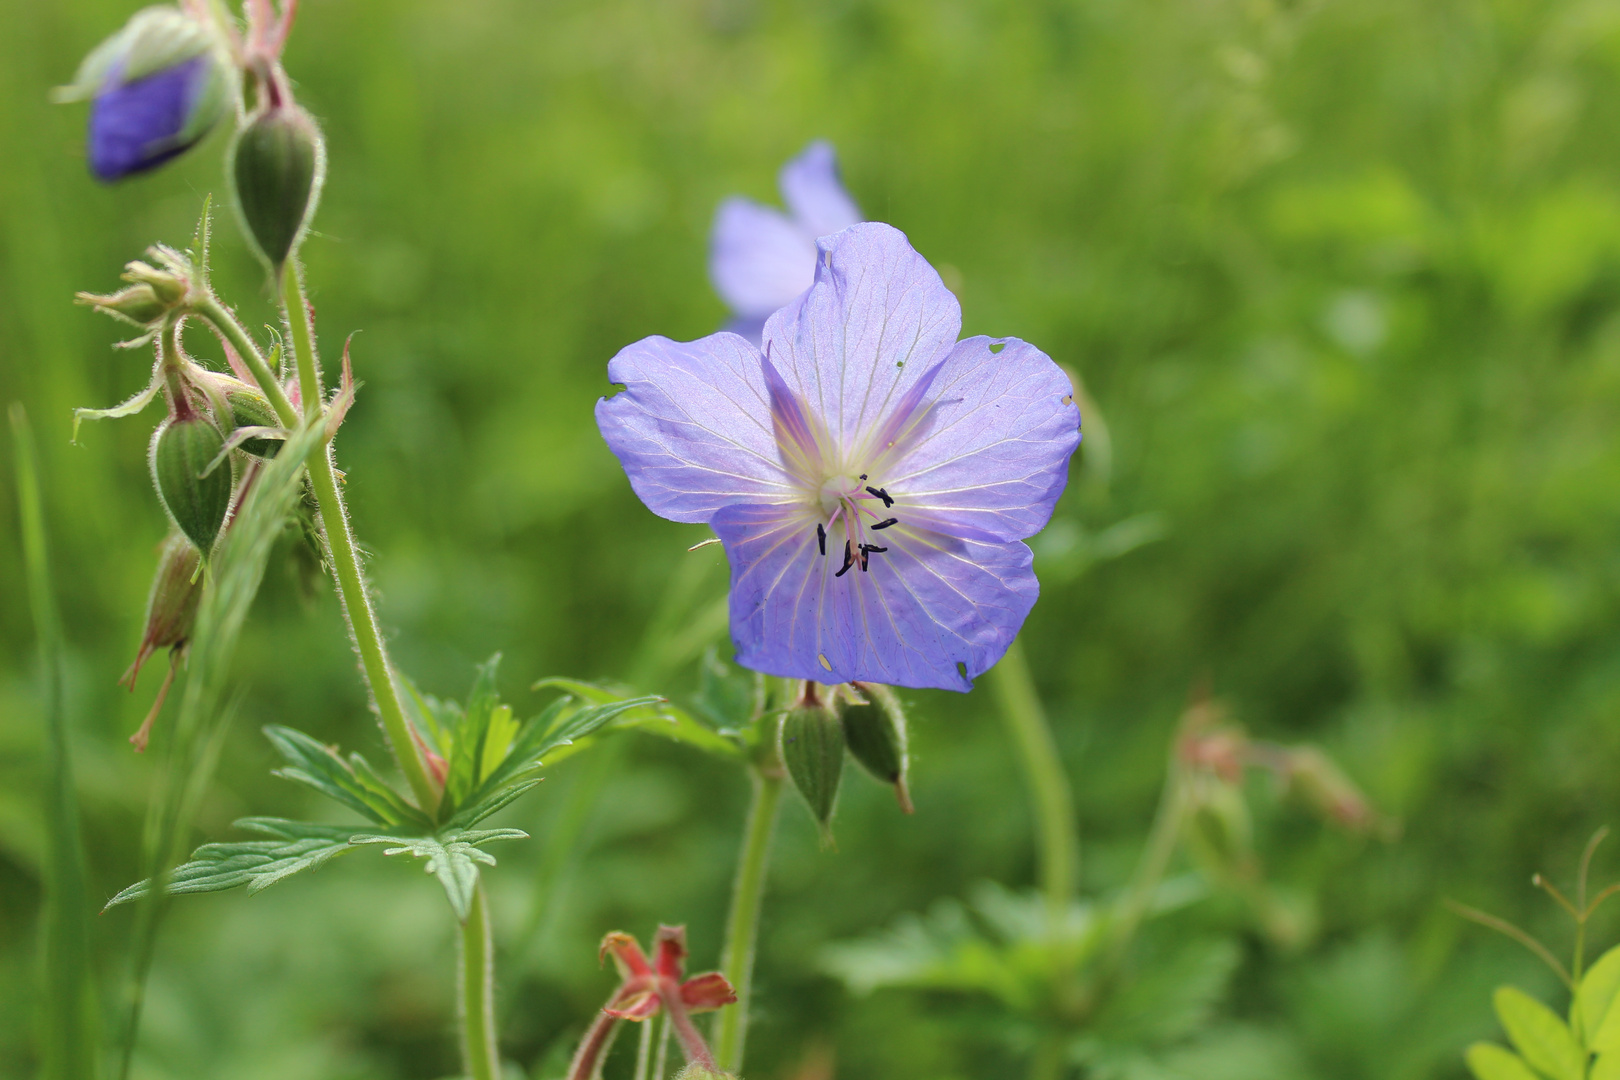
[997, 346]
[822, 657]
[961, 669]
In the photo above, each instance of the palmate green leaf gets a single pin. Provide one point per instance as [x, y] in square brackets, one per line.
[258, 864]
[470, 737]
[354, 783]
[660, 719]
[1488, 1061]
[452, 857]
[1540, 1037]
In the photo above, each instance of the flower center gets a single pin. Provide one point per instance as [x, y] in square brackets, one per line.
[848, 500]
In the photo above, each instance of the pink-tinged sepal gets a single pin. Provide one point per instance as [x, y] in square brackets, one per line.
[705, 993]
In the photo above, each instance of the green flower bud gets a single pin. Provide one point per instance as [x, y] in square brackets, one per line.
[249, 408]
[181, 450]
[171, 609]
[139, 305]
[876, 733]
[277, 165]
[812, 745]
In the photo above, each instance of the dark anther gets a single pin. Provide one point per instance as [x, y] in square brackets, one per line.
[821, 539]
[881, 494]
[863, 478]
[884, 524]
[873, 548]
[849, 560]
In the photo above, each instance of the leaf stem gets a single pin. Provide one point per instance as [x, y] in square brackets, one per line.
[1049, 794]
[477, 986]
[346, 565]
[742, 925]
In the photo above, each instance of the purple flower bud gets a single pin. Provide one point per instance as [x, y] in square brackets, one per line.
[155, 88]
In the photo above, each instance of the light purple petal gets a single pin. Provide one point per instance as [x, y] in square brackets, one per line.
[813, 192]
[758, 259]
[876, 319]
[692, 427]
[993, 454]
[924, 606]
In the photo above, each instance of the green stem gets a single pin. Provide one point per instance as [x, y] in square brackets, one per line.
[742, 926]
[346, 559]
[225, 322]
[1150, 871]
[477, 985]
[1048, 787]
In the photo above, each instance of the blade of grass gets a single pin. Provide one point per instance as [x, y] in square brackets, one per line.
[238, 570]
[70, 1038]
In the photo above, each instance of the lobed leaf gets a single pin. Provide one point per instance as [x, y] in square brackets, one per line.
[258, 864]
[660, 719]
[1488, 1061]
[1594, 1003]
[452, 857]
[1540, 1037]
[318, 766]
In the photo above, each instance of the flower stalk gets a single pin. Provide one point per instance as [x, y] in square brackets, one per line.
[742, 924]
[1050, 798]
[346, 558]
[477, 991]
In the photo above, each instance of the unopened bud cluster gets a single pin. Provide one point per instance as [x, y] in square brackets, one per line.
[864, 719]
[156, 88]
[161, 84]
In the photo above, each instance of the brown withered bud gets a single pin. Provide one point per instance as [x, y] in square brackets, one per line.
[171, 611]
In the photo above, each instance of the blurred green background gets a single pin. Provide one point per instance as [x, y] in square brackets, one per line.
[1344, 276]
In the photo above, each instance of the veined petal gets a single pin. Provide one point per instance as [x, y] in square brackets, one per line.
[992, 458]
[692, 426]
[759, 260]
[813, 191]
[924, 606]
[876, 319]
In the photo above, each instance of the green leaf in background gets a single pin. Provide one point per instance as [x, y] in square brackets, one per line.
[660, 719]
[1540, 1037]
[1488, 1061]
[1594, 999]
[258, 864]
[1606, 1067]
[71, 1044]
[452, 857]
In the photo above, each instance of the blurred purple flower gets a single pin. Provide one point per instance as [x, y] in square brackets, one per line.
[761, 259]
[870, 475]
[156, 88]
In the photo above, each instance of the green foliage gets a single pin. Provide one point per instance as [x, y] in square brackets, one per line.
[71, 1049]
[655, 715]
[452, 857]
[258, 864]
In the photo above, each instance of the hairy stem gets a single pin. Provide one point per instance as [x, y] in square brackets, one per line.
[742, 926]
[1048, 787]
[477, 986]
[346, 558]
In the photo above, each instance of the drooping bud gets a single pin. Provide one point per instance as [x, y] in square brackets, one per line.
[876, 733]
[181, 450]
[1328, 791]
[277, 165]
[156, 88]
[172, 606]
[812, 746]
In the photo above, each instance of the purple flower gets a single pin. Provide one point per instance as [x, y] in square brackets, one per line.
[870, 475]
[155, 89]
[761, 259]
